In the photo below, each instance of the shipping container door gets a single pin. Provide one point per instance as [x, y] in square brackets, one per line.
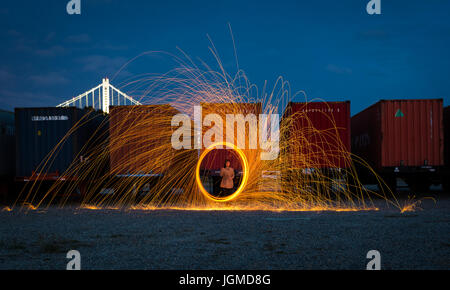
[320, 135]
[412, 133]
[39, 131]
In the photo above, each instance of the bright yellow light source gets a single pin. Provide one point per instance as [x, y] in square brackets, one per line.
[244, 172]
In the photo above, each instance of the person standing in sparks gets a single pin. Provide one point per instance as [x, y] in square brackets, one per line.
[227, 174]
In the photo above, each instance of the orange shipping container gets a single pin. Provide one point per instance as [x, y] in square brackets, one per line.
[140, 139]
[214, 160]
[400, 134]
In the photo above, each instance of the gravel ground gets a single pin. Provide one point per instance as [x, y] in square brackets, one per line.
[171, 239]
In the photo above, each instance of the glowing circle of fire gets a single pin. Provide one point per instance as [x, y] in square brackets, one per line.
[244, 162]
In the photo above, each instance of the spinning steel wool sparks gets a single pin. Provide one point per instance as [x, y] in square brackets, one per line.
[131, 161]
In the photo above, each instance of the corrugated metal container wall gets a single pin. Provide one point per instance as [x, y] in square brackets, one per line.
[39, 130]
[215, 159]
[320, 132]
[366, 135]
[446, 124]
[140, 139]
[403, 132]
[7, 147]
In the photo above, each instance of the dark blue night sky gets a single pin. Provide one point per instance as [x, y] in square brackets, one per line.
[332, 50]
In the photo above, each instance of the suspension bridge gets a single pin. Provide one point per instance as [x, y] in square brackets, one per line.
[101, 97]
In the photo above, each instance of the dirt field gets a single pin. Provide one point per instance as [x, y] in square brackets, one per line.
[170, 239]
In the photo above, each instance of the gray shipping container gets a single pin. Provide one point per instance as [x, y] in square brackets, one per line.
[39, 130]
[7, 141]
